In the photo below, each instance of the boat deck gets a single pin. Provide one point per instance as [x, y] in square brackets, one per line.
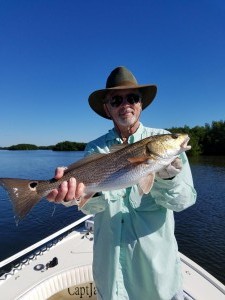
[37, 280]
[64, 271]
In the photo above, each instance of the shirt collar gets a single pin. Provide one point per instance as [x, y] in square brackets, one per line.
[113, 135]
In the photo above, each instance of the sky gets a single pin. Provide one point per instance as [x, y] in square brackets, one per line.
[55, 53]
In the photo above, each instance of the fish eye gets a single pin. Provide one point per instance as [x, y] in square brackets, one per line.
[175, 135]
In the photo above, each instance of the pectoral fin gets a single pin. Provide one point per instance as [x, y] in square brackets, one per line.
[146, 183]
[140, 159]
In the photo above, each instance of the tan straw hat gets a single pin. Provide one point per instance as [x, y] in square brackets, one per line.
[119, 79]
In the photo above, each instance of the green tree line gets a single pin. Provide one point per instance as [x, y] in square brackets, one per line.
[204, 140]
[62, 146]
[69, 146]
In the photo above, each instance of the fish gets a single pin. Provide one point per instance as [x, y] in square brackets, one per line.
[125, 165]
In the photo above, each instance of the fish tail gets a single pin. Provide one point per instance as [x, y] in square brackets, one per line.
[23, 194]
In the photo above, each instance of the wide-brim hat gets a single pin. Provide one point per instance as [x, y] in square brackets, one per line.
[119, 79]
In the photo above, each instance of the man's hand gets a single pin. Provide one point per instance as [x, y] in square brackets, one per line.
[68, 190]
[172, 170]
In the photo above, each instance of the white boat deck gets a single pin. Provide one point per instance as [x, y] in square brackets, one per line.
[74, 254]
[34, 281]
[198, 283]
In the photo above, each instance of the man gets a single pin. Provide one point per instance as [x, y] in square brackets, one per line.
[135, 250]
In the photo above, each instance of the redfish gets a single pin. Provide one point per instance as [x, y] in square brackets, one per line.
[125, 165]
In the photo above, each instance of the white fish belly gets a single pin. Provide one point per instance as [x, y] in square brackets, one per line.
[130, 175]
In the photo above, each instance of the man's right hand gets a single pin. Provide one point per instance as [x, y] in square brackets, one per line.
[67, 191]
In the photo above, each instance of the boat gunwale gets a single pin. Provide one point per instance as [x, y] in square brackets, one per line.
[202, 272]
[36, 249]
[43, 245]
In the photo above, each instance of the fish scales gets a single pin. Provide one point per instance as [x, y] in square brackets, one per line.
[124, 166]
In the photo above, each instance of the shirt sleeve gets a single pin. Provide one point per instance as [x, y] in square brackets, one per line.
[178, 193]
[93, 206]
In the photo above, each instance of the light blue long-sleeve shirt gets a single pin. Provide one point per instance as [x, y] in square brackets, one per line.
[135, 250]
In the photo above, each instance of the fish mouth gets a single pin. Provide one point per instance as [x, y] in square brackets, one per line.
[184, 146]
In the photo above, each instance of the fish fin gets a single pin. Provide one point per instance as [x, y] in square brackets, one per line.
[146, 183]
[23, 194]
[142, 159]
[139, 159]
[117, 147]
[84, 161]
[93, 157]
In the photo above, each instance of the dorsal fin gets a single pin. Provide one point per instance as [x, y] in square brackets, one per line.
[117, 147]
[94, 156]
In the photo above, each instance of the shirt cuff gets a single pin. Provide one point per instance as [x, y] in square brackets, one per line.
[94, 205]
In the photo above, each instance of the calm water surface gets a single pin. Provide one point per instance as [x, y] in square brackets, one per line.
[200, 230]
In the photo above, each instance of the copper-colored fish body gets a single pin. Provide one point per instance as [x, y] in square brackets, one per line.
[124, 166]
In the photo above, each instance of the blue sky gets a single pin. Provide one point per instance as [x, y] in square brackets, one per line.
[54, 53]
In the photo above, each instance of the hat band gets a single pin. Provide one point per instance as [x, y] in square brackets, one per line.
[123, 83]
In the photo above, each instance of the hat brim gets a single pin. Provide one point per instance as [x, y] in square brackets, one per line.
[96, 99]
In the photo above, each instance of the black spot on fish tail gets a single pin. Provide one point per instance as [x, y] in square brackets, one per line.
[23, 194]
[33, 184]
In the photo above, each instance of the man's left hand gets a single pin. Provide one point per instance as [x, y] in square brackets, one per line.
[172, 170]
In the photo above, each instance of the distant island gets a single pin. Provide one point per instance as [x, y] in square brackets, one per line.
[205, 140]
[62, 146]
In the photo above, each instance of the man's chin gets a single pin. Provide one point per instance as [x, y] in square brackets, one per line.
[127, 121]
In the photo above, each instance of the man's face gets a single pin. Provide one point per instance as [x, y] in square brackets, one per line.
[124, 106]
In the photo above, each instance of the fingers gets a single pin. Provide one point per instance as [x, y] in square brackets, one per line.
[58, 195]
[52, 195]
[171, 170]
[59, 172]
[67, 191]
[177, 163]
[72, 186]
[62, 192]
[79, 190]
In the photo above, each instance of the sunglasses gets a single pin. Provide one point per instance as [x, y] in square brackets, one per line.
[117, 100]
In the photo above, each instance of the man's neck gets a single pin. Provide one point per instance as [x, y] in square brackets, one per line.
[125, 132]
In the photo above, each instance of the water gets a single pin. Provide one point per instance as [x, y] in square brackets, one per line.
[200, 230]
[45, 218]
